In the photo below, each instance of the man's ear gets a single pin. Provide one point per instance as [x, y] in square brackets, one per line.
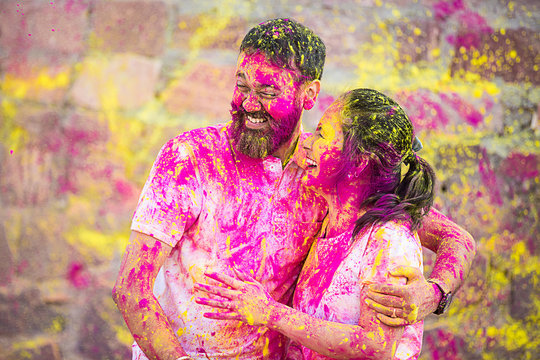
[311, 92]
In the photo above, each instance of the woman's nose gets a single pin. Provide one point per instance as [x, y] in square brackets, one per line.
[308, 143]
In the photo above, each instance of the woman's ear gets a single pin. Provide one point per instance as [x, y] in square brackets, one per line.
[311, 92]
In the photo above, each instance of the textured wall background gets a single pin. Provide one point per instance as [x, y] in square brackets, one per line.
[91, 89]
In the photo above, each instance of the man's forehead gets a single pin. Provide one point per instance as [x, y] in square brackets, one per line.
[258, 67]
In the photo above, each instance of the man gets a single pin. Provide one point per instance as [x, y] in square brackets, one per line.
[229, 197]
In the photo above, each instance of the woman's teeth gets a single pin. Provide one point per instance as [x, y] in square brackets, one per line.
[310, 162]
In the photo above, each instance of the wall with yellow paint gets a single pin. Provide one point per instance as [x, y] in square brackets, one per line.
[90, 90]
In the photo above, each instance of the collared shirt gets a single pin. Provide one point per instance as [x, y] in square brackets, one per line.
[218, 208]
[337, 269]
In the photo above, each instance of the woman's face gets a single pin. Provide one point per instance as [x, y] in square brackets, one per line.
[323, 160]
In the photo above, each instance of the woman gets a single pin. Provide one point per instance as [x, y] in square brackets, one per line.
[361, 160]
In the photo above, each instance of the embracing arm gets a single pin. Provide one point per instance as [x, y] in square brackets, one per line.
[455, 249]
[133, 294]
[454, 246]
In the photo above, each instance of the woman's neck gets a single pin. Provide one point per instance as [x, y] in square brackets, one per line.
[344, 203]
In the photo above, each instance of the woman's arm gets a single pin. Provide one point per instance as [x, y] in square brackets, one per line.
[247, 301]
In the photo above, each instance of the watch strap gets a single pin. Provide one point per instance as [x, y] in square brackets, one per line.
[446, 299]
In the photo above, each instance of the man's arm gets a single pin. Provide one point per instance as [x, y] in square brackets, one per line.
[134, 296]
[454, 246]
[455, 249]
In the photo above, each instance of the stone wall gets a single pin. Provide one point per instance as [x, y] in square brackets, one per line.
[91, 89]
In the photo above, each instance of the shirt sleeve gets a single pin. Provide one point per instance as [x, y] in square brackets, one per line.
[171, 197]
[389, 246]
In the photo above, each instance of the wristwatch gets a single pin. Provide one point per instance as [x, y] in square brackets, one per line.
[446, 299]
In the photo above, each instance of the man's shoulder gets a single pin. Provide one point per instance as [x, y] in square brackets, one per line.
[203, 136]
[198, 141]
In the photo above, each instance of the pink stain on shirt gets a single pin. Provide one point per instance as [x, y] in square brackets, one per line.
[143, 303]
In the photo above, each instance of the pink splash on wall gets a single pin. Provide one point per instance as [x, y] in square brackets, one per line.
[521, 166]
[444, 345]
[465, 109]
[425, 113]
[75, 6]
[445, 9]
[472, 28]
[489, 178]
[77, 275]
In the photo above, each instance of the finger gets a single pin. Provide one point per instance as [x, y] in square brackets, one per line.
[385, 310]
[245, 277]
[242, 275]
[410, 272]
[225, 315]
[395, 290]
[216, 290]
[214, 303]
[390, 321]
[225, 279]
[386, 300]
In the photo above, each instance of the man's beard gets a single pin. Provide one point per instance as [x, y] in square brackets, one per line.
[257, 143]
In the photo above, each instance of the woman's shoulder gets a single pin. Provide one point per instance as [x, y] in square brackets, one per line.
[390, 230]
[395, 238]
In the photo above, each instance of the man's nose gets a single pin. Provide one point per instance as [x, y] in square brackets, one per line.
[251, 103]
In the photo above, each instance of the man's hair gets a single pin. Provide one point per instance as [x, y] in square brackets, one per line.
[376, 126]
[288, 44]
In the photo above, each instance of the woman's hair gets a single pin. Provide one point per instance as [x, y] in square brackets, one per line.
[376, 126]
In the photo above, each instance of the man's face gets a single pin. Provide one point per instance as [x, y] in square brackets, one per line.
[266, 106]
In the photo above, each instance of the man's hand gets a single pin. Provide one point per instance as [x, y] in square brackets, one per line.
[399, 305]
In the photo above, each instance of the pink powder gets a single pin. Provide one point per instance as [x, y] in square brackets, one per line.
[472, 28]
[123, 188]
[445, 9]
[423, 112]
[465, 110]
[521, 166]
[143, 303]
[77, 275]
[489, 178]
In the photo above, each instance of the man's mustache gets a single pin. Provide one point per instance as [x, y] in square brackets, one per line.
[262, 114]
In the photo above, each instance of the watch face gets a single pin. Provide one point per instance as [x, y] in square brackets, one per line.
[448, 301]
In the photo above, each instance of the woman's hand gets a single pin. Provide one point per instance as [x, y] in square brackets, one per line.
[243, 299]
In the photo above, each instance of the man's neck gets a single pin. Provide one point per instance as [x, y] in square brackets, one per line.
[285, 151]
